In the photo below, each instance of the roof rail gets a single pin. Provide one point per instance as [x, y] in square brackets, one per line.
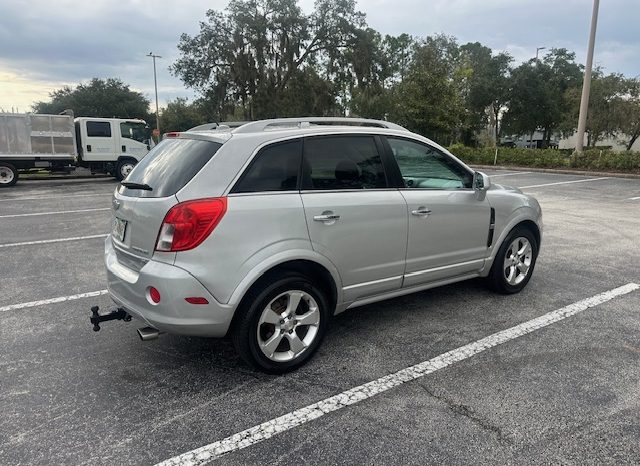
[306, 122]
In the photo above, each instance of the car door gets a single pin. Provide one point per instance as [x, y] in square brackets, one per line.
[448, 222]
[354, 218]
[99, 142]
[132, 139]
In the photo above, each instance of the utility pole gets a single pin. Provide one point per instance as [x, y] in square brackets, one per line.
[537, 50]
[155, 83]
[586, 85]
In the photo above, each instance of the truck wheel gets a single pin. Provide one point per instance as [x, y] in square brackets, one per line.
[8, 175]
[124, 168]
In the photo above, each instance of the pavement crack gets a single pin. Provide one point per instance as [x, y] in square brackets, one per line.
[469, 413]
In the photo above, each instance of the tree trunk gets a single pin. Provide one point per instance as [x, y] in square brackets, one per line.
[631, 141]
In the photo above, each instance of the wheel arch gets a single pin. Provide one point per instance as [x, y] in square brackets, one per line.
[320, 273]
[523, 217]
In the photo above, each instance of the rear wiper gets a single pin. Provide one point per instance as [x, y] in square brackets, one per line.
[132, 185]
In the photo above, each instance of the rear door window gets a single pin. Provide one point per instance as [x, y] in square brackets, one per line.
[98, 129]
[170, 166]
[342, 162]
[274, 168]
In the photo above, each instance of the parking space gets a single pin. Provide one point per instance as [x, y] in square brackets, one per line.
[565, 393]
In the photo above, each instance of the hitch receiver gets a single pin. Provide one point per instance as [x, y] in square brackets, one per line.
[96, 317]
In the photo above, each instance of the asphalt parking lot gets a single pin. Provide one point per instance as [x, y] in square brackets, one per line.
[568, 392]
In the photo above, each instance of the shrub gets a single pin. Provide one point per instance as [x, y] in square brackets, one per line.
[592, 159]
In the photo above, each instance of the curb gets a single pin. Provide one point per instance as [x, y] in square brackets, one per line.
[558, 171]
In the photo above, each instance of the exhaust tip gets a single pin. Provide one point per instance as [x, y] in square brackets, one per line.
[148, 333]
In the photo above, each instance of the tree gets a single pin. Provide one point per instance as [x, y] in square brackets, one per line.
[629, 112]
[429, 100]
[604, 115]
[97, 98]
[487, 85]
[538, 93]
[180, 115]
[248, 55]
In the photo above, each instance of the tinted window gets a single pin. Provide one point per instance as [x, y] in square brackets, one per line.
[275, 168]
[169, 166]
[133, 130]
[98, 129]
[342, 162]
[424, 167]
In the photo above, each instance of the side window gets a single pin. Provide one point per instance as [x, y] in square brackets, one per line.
[98, 129]
[424, 167]
[342, 162]
[133, 130]
[274, 168]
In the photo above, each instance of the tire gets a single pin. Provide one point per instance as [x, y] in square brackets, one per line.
[510, 273]
[258, 329]
[123, 168]
[8, 175]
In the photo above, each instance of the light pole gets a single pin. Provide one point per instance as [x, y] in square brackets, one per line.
[586, 84]
[537, 50]
[155, 83]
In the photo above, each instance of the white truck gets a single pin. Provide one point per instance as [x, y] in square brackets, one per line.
[62, 143]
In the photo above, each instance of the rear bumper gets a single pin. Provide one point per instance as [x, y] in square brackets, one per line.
[128, 289]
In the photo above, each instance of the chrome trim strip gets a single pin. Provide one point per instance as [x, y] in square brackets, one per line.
[444, 267]
[374, 282]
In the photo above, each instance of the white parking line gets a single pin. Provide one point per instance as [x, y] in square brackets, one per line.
[510, 174]
[301, 416]
[633, 198]
[46, 198]
[564, 182]
[60, 299]
[53, 213]
[49, 241]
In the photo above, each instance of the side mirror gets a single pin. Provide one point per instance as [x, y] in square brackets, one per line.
[481, 182]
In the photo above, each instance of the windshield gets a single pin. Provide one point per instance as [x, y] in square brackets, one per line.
[168, 167]
[134, 130]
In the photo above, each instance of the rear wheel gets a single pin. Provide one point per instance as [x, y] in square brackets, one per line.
[513, 266]
[282, 324]
[8, 175]
[123, 168]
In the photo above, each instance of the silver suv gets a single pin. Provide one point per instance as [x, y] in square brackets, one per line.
[265, 231]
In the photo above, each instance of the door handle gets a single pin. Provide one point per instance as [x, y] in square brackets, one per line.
[421, 212]
[326, 217]
[88, 147]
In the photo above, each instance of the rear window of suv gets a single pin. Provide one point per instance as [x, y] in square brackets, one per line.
[169, 166]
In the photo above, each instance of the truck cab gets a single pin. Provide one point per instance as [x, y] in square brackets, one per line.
[113, 145]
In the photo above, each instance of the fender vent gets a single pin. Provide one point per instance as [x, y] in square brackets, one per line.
[492, 227]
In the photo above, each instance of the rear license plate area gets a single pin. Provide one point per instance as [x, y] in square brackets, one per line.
[119, 229]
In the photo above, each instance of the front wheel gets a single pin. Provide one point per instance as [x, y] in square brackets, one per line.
[124, 168]
[8, 175]
[513, 266]
[282, 324]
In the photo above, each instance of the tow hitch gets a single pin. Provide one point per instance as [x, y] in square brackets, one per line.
[96, 317]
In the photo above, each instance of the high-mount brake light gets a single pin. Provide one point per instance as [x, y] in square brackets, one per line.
[189, 223]
[171, 134]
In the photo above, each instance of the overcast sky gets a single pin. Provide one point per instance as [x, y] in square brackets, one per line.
[46, 44]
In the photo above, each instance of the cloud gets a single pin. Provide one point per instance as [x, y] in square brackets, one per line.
[51, 43]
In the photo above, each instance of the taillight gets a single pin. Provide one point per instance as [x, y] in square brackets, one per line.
[189, 223]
